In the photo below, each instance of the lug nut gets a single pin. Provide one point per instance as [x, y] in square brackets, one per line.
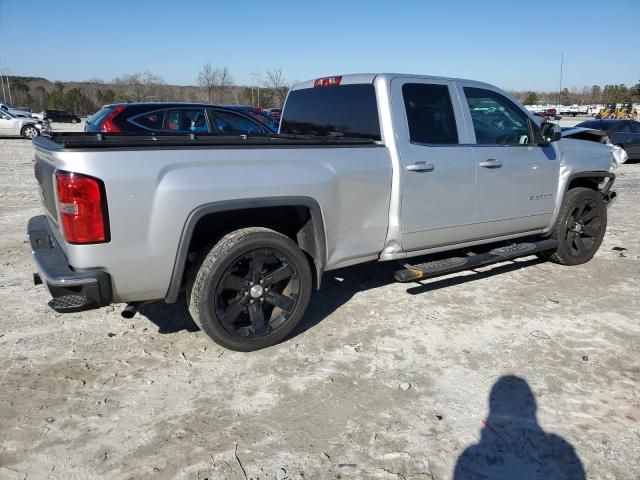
[262, 299]
[266, 289]
[261, 282]
[251, 301]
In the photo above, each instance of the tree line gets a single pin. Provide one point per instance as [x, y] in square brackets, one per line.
[586, 96]
[213, 85]
[216, 85]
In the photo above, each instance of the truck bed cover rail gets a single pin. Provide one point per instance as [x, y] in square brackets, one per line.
[72, 140]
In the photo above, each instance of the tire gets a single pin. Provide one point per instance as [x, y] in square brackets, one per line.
[249, 290]
[29, 132]
[580, 227]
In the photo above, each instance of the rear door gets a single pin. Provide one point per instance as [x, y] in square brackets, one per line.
[517, 178]
[629, 132]
[438, 170]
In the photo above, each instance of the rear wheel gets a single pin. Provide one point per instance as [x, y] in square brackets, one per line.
[29, 132]
[250, 290]
[580, 227]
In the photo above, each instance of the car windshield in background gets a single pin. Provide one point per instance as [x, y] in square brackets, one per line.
[337, 111]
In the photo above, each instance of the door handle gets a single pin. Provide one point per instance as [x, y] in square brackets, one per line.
[491, 163]
[421, 167]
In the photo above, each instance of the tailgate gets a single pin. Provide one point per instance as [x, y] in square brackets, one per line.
[44, 173]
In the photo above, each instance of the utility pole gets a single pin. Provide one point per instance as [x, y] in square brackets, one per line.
[560, 89]
[258, 75]
[4, 95]
[6, 74]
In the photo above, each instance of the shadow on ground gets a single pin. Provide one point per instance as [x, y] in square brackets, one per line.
[513, 445]
[338, 286]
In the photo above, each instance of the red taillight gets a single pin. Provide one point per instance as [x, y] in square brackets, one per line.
[108, 125]
[82, 208]
[327, 82]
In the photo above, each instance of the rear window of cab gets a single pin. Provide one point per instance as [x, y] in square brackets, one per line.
[334, 111]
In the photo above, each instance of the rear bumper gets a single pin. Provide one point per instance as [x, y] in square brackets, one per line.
[71, 291]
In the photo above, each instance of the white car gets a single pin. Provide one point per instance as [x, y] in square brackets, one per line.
[16, 112]
[29, 128]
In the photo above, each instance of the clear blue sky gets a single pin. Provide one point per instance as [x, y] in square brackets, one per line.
[514, 44]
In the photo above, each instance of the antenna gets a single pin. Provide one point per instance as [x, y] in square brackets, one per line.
[560, 89]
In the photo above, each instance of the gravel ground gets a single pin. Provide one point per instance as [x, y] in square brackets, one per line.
[383, 380]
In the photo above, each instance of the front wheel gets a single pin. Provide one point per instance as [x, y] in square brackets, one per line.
[250, 290]
[29, 132]
[580, 227]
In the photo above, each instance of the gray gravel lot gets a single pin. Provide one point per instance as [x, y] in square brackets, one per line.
[383, 380]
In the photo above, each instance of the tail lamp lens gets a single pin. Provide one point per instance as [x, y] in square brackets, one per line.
[107, 125]
[82, 208]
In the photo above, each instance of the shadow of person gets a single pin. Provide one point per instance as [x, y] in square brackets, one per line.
[512, 444]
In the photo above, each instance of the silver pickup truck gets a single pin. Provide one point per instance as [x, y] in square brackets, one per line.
[365, 167]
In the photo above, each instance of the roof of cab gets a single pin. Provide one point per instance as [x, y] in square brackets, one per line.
[353, 78]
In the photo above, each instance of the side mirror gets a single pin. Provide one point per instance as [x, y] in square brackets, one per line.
[550, 132]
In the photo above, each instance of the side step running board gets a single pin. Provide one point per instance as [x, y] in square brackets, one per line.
[411, 273]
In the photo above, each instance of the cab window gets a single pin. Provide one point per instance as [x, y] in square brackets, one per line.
[430, 114]
[496, 119]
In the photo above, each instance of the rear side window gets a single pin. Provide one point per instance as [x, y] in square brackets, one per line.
[430, 114]
[336, 111]
[149, 120]
[231, 123]
[186, 120]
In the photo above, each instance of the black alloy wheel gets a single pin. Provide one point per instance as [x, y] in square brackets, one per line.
[257, 293]
[250, 289]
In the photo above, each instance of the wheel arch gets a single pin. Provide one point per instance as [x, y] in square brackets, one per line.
[309, 233]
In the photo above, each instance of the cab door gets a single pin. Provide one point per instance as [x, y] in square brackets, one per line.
[438, 170]
[517, 177]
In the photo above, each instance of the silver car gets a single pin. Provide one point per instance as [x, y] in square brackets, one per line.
[29, 128]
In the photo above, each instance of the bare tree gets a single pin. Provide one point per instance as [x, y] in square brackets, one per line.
[208, 80]
[140, 87]
[224, 81]
[277, 82]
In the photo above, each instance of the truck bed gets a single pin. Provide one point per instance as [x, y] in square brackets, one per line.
[83, 141]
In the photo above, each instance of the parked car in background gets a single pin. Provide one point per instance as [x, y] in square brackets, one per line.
[13, 126]
[173, 118]
[61, 116]
[551, 114]
[624, 133]
[260, 115]
[21, 112]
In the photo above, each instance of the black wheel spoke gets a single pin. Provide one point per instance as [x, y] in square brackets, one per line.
[590, 215]
[592, 232]
[257, 318]
[233, 282]
[281, 301]
[232, 312]
[582, 249]
[278, 275]
[569, 240]
[257, 264]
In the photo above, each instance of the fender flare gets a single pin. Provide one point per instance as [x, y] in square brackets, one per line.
[565, 189]
[199, 212]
